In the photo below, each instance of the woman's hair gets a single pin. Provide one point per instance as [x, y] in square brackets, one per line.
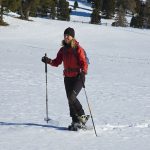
[72, 43]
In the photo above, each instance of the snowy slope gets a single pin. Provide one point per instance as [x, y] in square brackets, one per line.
[80, 15]
[118, 85]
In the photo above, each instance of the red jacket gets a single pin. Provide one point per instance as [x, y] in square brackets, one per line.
[73, 64]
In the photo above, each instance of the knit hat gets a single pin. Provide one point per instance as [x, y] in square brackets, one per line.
[70, 31]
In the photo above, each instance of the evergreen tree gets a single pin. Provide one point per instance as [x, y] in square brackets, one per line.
[1, 12]
[95, 16]
[108, 8]
[63, 10]
[47, 8]
[128, 5]
[75, 5]
[122, 3]
[133, 22]
[138, 6]
[7, 5]
[25, 8]
[147, 14]
[53, 9]
[120, 19]
[138, 19]
[131, 6]
[12, 5]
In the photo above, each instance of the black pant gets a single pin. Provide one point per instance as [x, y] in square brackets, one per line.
[73, 86]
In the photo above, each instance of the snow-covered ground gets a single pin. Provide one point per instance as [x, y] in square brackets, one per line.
[117, 85]
[80, 15]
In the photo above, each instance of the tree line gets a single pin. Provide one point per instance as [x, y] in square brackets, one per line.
[119, 9]
[53, 9]
[59, 9]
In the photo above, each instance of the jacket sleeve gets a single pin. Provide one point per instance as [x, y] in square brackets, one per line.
[82, 60]
[58, 60]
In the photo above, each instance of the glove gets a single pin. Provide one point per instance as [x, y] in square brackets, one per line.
[82, 75]
[46, 60]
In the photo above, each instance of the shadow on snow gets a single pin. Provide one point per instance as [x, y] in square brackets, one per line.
[32, 124]
[77, 13]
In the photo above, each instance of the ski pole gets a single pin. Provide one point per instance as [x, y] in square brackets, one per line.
[47, 118]
[89, 107]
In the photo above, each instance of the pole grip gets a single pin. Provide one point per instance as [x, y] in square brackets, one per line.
[45, 64]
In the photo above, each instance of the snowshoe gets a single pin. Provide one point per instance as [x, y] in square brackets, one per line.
[79, 127]
[72, 128]
[83, 119]
[85, 127]
[75, 126]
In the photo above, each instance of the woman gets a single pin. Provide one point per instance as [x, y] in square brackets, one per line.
[75, 69]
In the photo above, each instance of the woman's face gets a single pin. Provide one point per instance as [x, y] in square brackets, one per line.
[67, 38]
